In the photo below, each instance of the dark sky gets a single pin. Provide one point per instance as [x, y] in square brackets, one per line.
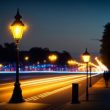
[57, 24]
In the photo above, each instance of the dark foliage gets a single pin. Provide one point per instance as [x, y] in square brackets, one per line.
[105, 45]
[35, 54]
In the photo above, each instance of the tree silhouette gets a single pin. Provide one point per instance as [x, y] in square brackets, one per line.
[35, 54]
[9, 52]
[105, 45]
[64, 57]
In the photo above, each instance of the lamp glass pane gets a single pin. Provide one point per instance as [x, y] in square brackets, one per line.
[17, 31]
[86, 58]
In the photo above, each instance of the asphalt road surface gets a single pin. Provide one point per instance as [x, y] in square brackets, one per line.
[54, 90]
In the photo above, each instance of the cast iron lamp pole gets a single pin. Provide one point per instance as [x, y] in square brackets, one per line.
[17, 28]
[86, 59]
[90, 84]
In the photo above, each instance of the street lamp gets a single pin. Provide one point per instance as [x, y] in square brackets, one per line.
[1, 65]
[52, 58]
[17, 29]
[86, 59]
[26, 58]
[71, 62]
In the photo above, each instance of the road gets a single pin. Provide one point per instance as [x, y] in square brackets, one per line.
[54, 90]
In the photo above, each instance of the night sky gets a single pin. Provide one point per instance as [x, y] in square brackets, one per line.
[57, 24]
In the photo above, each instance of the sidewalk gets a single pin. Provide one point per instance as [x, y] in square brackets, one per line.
[99, 99]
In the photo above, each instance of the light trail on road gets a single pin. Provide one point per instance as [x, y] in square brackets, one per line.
[40, 81]
[43, 95]
[34, 89]
[46, 94]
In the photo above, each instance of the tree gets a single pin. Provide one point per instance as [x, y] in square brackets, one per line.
[64, 57]
[9, 52]
[105, 46]
[36, 54]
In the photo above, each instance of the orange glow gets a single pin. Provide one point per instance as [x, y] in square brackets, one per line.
[1, 65]
[26, 58]
[41, 87]
[101, 65]
[86, 58]
[17, 30]
[71, 62]
[52, 57]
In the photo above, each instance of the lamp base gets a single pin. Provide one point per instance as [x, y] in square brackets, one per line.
[17, 94]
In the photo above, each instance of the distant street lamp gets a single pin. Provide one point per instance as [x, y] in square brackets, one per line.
[86, 59]
[1, 65]
[44, 61]
[17, 29]
[26, 58]
[71, 62]
[52, 58]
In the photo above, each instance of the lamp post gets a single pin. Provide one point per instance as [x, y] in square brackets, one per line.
[17, 29]
[26, 58]
[86, 59]
[52, 58]
[90, 84]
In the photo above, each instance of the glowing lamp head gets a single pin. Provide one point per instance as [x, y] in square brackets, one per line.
[17, 27]
[86, 56]
[52, 57]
